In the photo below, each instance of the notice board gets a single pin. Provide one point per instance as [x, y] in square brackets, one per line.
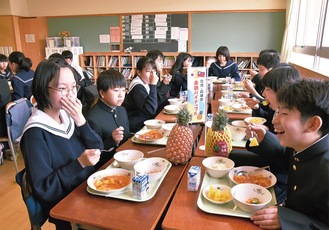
[153, 31]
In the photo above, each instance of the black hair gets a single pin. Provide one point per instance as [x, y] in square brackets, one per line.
[268, 58]
[179, 63]
[154, 54]
[142, 62]
[310, 97]
[67, 54]
[110, 79]
[56, 55]
[223, 50]
[3, 58]
[19, 58]
[46, 71]
[281, 74]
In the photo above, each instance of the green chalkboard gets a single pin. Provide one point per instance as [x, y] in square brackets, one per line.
[240, 32]
[87, 28]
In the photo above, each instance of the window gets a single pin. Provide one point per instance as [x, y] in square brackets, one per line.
[312, 35]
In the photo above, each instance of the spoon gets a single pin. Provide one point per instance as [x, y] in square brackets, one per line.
[245, 173]
[106, 150]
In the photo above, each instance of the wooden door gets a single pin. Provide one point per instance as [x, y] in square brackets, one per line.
[33, 32]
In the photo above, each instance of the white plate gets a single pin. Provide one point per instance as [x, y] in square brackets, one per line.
[143, 131]
[228, 209]
[218, 186]
[127, 194]
[108, 172]
[264, 172]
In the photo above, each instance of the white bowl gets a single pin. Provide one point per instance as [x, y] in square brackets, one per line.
[168, 127]
[225, 102]
[154, 123]
[128, 158]
[224, 194]
[241, 108]
[150, 135]
[244, 192]
[239, 123]
[238, 133]
[153, 166]
[171, 108]
[175, 101]
[255, 120]
[227, 93]
[260, 177]
[217, 167]
[97, 176]
[240, 100]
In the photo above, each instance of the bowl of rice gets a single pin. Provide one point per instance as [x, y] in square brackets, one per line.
[218, 167]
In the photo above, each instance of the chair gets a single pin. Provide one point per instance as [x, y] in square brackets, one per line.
[17, 114]
[37, 215]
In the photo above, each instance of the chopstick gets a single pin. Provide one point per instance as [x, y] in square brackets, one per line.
[155, 150]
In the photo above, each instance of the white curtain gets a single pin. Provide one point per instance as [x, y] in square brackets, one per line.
[290, 30]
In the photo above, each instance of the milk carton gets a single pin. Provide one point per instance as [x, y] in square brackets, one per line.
[141, 186]
[193, 178]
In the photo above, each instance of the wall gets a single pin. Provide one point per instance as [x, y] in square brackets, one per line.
[106, 7]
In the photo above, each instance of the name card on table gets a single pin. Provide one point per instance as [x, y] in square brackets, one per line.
[197, 93]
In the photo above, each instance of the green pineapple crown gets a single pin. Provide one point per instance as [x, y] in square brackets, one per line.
[220, 120]
[183, 116]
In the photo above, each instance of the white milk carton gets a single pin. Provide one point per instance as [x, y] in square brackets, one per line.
[193, 178]
[141, 187]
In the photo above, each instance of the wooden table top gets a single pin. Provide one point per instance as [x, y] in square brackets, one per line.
[184, 213]
[231, 116]
[84, 209]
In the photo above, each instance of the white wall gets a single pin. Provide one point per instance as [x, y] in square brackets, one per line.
[33, 8]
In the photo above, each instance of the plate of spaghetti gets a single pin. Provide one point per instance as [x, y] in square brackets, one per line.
[150, 135]
[263, 177]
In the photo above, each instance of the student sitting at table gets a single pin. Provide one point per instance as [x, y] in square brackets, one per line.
[302, 125]
[163, 86]
[273, 80]
[23, 75]
[179, 72]
[266, 61]
[59, 147]
[224, 66]
[5, 71]
[111, 86]
[141, 99]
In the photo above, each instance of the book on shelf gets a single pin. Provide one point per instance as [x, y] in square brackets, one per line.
[254, 65]
[126, 61]
[113, 61]
[100, 61]
[243, 63]
[126, 72]
[169, 61]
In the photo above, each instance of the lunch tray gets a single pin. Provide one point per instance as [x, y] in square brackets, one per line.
[228, 209]
[127, 194]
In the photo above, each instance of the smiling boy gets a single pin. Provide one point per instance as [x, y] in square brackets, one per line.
[302, 125]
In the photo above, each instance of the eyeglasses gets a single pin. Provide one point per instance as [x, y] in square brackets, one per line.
[65, 91]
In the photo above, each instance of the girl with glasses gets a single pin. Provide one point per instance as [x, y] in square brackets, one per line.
[59, 147]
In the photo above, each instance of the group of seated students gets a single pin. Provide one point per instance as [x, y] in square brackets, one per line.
[60, 144]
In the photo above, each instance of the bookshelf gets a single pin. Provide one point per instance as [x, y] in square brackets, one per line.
[95, 62]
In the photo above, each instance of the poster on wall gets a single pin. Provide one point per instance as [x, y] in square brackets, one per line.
[197, 93]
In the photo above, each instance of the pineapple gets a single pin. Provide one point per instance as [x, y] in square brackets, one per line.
[180, 140]
[219, 138]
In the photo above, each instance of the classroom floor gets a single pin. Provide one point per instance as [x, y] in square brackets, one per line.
[13, 212]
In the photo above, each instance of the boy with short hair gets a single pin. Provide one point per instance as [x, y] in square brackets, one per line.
[302, 125]
[68, 56]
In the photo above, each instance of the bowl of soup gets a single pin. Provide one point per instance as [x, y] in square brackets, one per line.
[112, 180]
